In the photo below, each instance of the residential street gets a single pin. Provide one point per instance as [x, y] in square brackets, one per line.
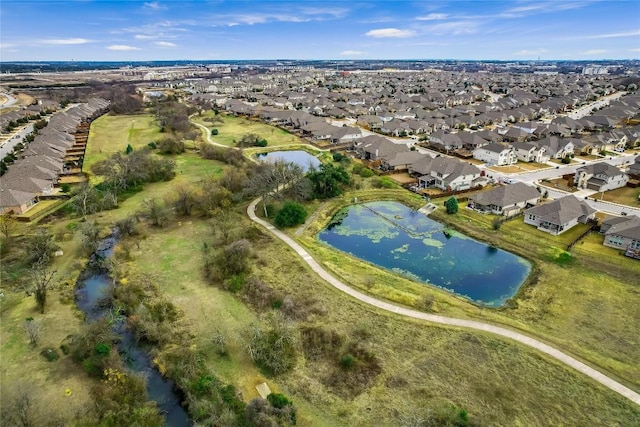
[7, 146]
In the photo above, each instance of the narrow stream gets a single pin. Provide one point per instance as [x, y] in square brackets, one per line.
[90, 290]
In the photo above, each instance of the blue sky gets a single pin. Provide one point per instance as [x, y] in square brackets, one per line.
[102, 30]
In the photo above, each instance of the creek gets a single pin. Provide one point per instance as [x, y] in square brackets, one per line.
[91, 289]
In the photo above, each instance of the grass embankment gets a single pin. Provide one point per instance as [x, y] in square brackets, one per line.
[111, 134]
[587, 307]
[232, 128]
[423, 366]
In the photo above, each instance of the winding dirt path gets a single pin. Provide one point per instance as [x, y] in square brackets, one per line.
[450, 321]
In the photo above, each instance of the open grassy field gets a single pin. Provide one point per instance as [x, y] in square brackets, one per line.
[232, 128]
[111, 134]
[422, 365]
[558, 304]
[624, 196]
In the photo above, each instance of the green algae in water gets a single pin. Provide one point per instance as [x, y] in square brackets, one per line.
[432, 242]
[414, 246]
[402, 249]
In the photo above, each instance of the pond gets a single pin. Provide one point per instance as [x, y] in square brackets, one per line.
[395, 237]
[299, 157]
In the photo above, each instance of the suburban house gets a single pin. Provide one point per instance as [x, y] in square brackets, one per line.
[449, 174]
[496, 154]
[507, 200]
[623, 233]
[634, 168]
[600, 177]
[374, 148]
[52, 153]
[400, 161]
[556, 148]
[559, 215]
[526, 152]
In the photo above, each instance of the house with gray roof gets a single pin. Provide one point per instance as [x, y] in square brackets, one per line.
[507, 200]
[450, 174]
[526, 152]
[634, 168]
[559, 215]
[496, 154]
[623, 233]
[600, 177]
[375, 147]
[399, 162]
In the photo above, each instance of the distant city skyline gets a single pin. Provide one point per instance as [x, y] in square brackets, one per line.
[102, 30]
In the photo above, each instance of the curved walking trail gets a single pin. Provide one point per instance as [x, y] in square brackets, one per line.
[470, 324]
[208, 135]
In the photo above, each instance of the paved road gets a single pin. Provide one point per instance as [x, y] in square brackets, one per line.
[586, 110]
[13, 140]
[9, 102]
[450, 321]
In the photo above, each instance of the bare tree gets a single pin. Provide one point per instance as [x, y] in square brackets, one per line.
[184, 199]
[33, 328]
[156, 211]
[42, 281]
[86, 200]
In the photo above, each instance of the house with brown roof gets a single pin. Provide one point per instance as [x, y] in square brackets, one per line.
[507, 200]
[375, 147]
[450, 174]
[559, 215]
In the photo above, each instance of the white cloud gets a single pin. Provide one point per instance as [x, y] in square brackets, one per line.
[454, 27]
[154, 5]
[65, 41]
[390, 33]
[351, 53]
[122, 47]
[303, 14]
[165, 44]
[433, 17]
[530, 52]
[634, 33]
[144, 37]
[635, 50]
[594, 52]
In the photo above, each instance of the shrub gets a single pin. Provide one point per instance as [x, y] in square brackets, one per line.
[290, 215]
[366, 173]
[50, 354]
[385, 182]
[496, 223]
[278, 400]
[451, 205]
[214, 131]
[337, 157]
[347, 361]
[65, 188]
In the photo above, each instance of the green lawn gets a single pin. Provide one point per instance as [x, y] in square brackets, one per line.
[111, 134]
[233, 128]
